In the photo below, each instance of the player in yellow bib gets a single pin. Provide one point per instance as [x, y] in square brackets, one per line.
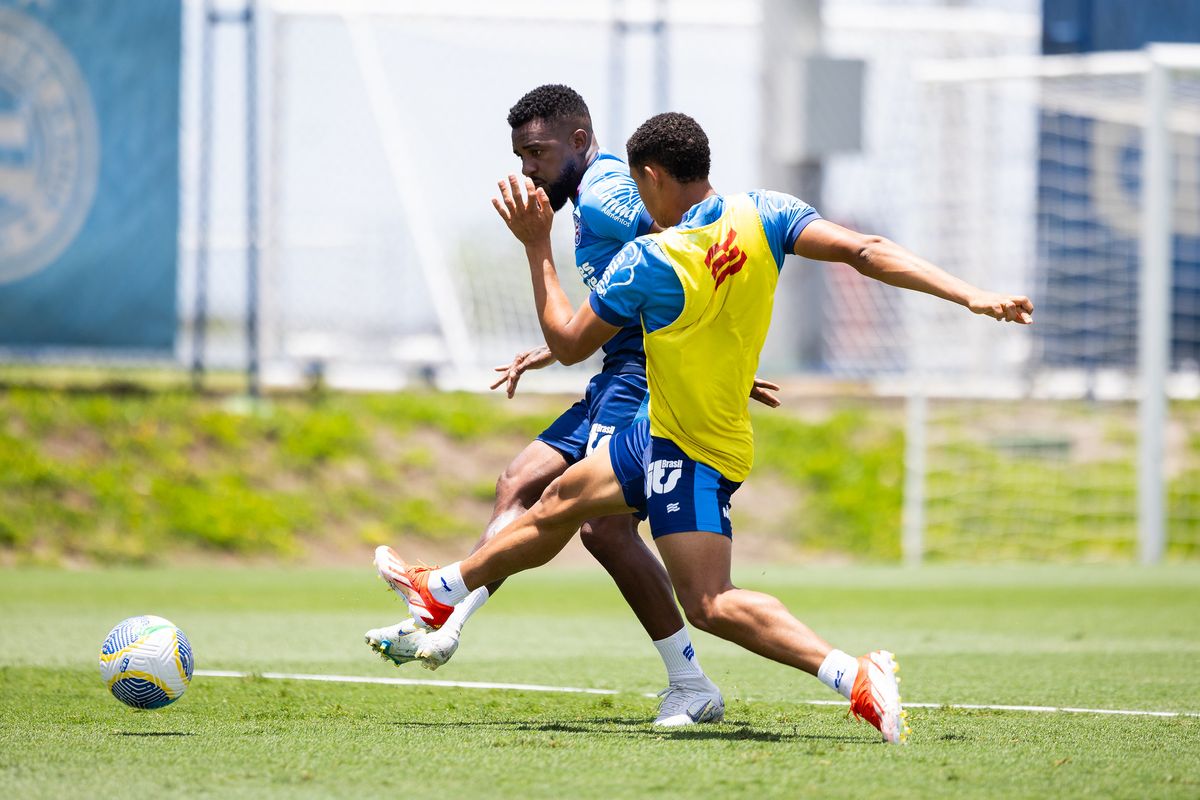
[703, 291]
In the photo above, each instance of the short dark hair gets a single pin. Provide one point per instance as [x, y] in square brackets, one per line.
[549, 102]
[674, 141]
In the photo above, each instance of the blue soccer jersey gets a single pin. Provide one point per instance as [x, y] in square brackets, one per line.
[608, 214]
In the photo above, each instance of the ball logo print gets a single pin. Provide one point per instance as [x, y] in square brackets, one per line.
[49, 145]
[662, 476]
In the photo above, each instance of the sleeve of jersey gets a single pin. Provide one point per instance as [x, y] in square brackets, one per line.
[783, 218]
[612, 208]
[619, 296]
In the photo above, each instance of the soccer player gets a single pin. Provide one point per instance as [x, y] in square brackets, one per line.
[552, 135]
[703, 292]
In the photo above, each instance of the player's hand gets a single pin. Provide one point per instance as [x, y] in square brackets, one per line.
[764, 392]
[527, 215]
[1003, 307]
[536, 358]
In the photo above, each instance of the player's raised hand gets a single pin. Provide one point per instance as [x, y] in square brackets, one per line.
[527, 214]
[536, 358]
[1003, 307]
[764, 392]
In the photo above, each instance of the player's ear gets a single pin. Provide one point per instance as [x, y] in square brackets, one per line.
[651, 174]
[580, 139]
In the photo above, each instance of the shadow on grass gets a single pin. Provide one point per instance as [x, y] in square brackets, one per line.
[640, 728]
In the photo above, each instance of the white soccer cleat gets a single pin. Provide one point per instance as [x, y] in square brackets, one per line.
[437, 647]
[690, 704]
[397, 643]
[875, 696]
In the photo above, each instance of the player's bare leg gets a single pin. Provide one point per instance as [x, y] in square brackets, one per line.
[585, 491]
[613, 540]
[699, 565]
[519, 487]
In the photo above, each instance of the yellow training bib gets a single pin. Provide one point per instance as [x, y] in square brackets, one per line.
[701, 367]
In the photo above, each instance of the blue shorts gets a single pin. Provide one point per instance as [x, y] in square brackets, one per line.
[674, 491]
[613, 402]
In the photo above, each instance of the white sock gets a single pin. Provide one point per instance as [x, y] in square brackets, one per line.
[463, 611]
[679, 656]
[838, 672]
[447, 585]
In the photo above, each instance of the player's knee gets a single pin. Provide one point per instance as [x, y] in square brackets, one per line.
[703, 611]
[555, 501]
[515, 488]
[607, 536]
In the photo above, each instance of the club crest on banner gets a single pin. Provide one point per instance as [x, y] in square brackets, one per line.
[49, 147]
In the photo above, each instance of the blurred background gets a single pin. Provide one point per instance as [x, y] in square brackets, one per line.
[252, 286]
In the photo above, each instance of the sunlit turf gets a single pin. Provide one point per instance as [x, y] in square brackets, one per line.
[1094, 637]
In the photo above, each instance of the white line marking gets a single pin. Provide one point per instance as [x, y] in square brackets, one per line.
[284, 676]
[533, 687]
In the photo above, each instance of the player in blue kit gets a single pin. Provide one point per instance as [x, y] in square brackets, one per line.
[552, 135]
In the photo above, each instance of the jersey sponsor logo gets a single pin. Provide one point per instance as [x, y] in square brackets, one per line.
[578, 228]
[614, 202]
[588, 273]
[49, 147]
[663, 475]
[725, 511]
[725, 258]
[620, 270]
[598, 435]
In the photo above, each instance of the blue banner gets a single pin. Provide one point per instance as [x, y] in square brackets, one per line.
[89, 173]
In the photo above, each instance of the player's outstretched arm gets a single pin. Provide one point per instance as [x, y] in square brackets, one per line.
[572, 335]
[884, 260]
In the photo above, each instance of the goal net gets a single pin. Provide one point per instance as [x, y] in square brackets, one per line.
[1034, 177]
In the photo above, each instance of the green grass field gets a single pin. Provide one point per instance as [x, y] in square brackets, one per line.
[1108, 637]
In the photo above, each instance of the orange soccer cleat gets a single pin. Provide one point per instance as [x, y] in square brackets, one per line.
[412, 584]
[875, 696]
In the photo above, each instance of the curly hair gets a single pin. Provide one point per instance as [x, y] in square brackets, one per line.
[674, 141]
[549, 102]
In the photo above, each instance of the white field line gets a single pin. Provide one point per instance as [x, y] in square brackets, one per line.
[533, 687]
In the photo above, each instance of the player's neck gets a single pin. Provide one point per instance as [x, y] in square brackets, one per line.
[593, 153]
[692, 194]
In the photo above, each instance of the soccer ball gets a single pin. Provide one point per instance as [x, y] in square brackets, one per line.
[146, 662]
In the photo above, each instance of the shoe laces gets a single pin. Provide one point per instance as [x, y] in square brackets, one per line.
[676, 698]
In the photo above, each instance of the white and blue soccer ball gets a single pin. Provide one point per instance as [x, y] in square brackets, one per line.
[146, 662]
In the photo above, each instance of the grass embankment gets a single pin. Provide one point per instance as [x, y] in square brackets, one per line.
[132, 476]
[128, 476]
